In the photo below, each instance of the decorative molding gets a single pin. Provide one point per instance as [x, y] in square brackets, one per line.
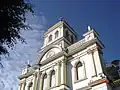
[81, 45]
[60, 54]
[26, 75]
[35, 73]
[56, 42]
[75, 48]
[50, 53]
[45, 51]
[23, 81]
[97, 82]
[60, 23]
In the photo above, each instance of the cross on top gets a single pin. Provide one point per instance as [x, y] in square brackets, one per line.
[61, 19]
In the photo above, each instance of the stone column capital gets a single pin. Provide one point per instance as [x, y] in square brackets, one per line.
[35, 73]
[58, 63]
[64, 62]
[90, 51]
[74, 66]
[23, 81]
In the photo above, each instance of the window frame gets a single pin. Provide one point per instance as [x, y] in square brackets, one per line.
[82, 65]
[50, 38]
[56, 34]
[44, 77]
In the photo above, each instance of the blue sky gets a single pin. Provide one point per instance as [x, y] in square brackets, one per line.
[103, 15]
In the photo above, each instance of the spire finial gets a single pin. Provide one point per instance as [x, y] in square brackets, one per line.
[89, 28]
[28, 63]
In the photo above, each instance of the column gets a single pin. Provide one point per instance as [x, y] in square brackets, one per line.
[74, 74]
[58, 74]
[38, 78]
[23, 85]
[28, 87]
[40, 82]
[98, 60]
[92, 62]
[63, 72]
[20, 85]
[48, 80]
[35, 81]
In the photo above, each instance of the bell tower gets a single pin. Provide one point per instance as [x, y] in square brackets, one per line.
[60, 34]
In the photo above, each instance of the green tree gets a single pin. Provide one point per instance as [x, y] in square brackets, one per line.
[12, 21]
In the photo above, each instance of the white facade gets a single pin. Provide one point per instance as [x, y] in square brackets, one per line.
[65, 63]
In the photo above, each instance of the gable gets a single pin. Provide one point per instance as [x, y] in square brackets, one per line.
[51, 51]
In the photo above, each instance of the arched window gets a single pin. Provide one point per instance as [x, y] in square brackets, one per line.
[30, 86]
[56, 34]
[44, 82]
[67, 34]
[52, 79]
[50, 38]
[80, 71]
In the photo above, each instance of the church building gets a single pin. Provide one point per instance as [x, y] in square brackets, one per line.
[65, 63]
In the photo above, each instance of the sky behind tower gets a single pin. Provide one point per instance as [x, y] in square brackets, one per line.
[103, 15]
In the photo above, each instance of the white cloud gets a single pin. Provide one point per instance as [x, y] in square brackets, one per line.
[22, 52]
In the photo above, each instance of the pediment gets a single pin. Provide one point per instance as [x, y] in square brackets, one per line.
[51, 51]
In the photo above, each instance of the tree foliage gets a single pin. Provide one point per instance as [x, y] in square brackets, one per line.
[12, 21]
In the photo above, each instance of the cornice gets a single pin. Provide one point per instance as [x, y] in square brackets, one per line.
[78, 46]
[60, 54]
[56, 42]
[97, 82]
[26, 75]
[54, 27]
[58, 24]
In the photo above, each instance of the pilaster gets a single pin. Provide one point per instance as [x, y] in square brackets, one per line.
[35, 81]
[64, 72]
[48, 80]
[58, 74]
[23, 85]
[20, 86]
[40, 82]
[74, 74]
[98, 60]
[91, 57]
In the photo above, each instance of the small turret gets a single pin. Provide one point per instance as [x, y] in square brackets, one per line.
[90, 34]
